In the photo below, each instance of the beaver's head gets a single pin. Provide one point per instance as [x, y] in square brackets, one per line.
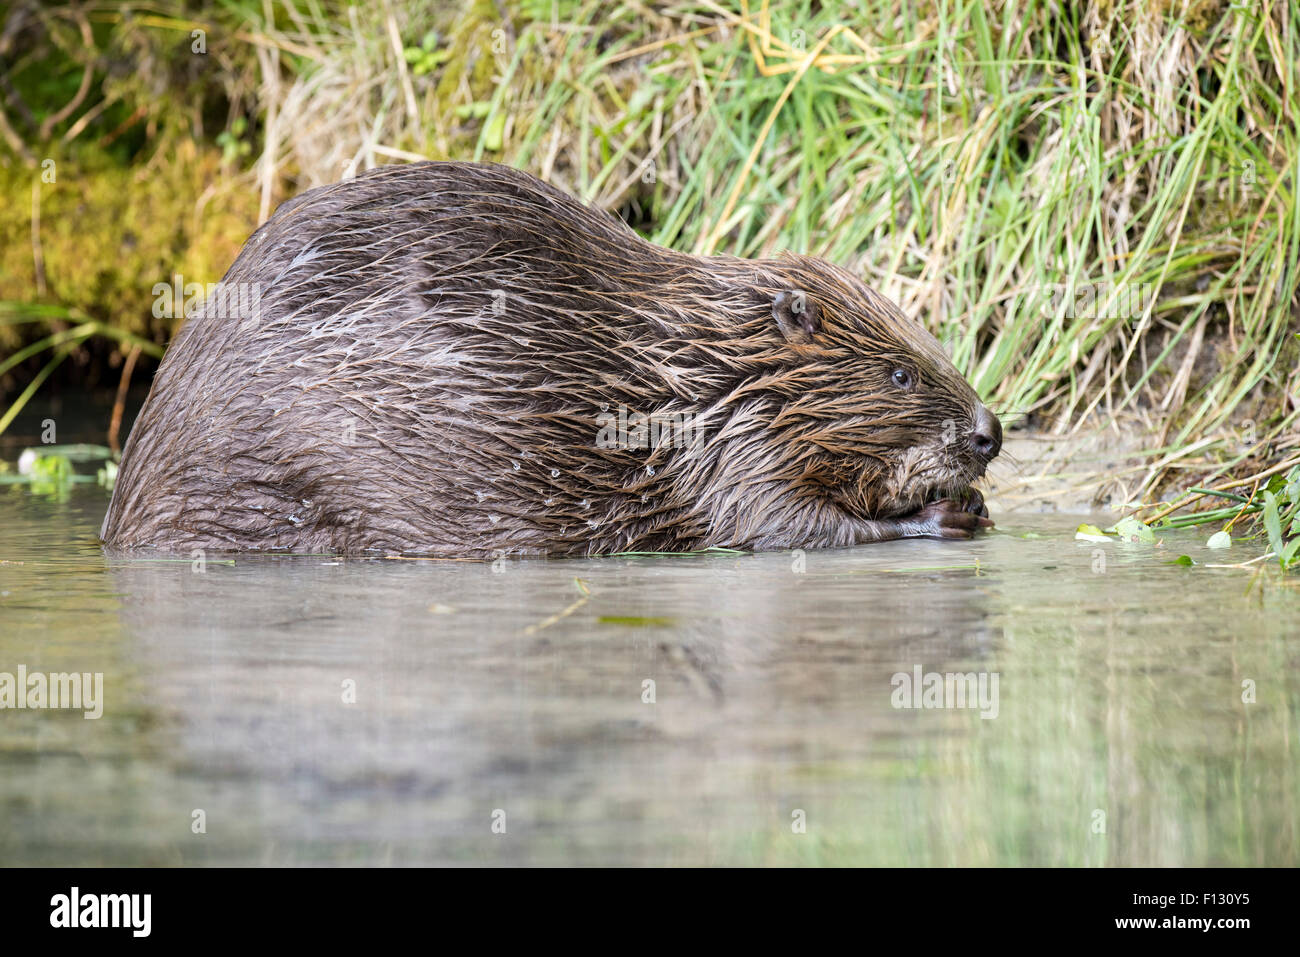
[883, 420]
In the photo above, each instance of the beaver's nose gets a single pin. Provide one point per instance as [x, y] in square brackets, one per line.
[985, 439]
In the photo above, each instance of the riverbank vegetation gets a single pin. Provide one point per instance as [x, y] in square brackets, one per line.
[1093, 205]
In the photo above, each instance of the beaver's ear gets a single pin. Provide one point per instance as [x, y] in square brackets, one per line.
[797, 315]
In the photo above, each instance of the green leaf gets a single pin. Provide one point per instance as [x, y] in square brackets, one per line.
[1090, 533]
[56, 469]
[1182, 560]
[1272, 522]
[1131, 530]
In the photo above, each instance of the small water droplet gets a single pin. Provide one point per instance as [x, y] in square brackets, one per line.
[555, 473]
[494, 519]
[479, 495]
[514, 465]
[649, 470]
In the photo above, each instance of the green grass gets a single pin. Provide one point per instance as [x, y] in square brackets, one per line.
[58, 345]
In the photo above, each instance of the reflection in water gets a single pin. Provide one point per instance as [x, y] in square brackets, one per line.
[318, 710]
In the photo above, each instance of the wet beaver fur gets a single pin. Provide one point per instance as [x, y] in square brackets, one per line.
[459, 360]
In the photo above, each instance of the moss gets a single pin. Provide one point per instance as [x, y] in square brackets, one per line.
[109, 233]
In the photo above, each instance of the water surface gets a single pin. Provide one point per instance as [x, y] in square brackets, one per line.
[319, 710]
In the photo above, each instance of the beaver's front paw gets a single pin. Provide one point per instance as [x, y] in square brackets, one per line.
[948, 518]
[974, 504]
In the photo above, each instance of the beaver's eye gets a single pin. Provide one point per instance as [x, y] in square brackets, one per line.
[903, 379]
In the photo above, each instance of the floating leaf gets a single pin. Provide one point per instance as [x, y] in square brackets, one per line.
[1182, 560]
[1090, 533]
[1131, 530]
[56, 469]
[1219, 540]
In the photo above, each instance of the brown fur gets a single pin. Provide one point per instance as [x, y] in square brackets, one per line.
[436, 344]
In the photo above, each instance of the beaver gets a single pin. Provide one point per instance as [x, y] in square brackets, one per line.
[459, 360]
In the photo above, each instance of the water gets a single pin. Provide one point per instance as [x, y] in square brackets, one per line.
[514, 696]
